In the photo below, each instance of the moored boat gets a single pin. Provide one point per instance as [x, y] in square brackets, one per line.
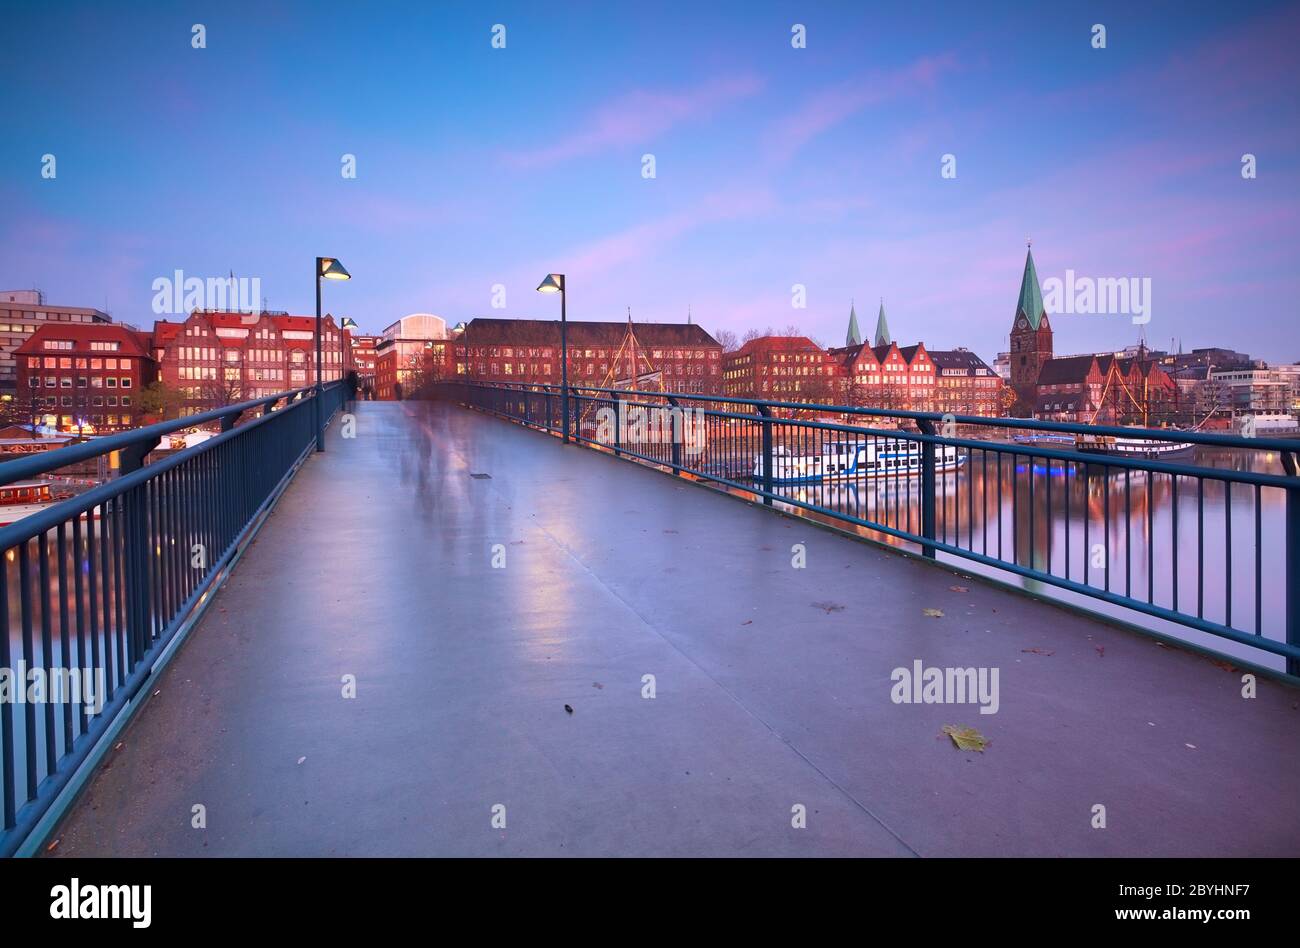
[1148, 448]
[856, 460]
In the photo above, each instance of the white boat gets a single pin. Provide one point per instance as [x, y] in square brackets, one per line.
[1149, 448]
[856, 460]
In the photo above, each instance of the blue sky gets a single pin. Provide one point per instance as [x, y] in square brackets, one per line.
[775, 166]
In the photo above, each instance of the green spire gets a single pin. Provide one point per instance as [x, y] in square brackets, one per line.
[882, 327]
[1030, 303]
[853, 337]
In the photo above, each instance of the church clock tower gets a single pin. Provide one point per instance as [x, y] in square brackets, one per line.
[1031, 340]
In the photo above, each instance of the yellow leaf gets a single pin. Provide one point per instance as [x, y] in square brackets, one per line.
[966, 738]
[933, 613]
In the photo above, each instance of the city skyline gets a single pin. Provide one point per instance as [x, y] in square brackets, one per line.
[481, 167]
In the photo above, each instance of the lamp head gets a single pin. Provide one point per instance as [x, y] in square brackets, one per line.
[331, 269]
[554, 283]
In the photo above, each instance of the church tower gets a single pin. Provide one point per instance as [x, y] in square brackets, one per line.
[1031, 340]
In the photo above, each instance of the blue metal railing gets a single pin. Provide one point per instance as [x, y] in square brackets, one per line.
[1215, 549]
[95, 588]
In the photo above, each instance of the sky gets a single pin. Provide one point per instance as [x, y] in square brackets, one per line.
[479, 169]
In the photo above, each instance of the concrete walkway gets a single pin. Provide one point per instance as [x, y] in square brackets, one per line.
[772, 685]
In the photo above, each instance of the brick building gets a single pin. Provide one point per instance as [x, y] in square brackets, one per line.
[682, 355]
[1105, 390]
[220, 358]
[884, 374]
[84, 377]
[782, 369]
[363, 361]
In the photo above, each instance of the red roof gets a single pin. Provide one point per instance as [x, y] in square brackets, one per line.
[130, 341]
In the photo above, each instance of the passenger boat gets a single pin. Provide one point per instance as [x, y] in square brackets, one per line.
[856, 460]
[1147, 448]
[24, 498]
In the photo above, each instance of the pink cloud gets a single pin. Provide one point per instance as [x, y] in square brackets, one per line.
[638, 116]
[833, 105]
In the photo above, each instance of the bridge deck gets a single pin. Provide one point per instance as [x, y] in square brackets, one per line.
[773, 685]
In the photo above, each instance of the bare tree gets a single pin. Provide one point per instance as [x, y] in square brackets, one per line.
[729, 341]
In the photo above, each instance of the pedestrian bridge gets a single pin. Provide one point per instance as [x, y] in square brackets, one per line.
[455, 635]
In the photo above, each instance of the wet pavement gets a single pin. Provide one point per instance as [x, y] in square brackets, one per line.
[505, 634]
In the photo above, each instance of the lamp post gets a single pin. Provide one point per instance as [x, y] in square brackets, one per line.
[330, 269]
[554, 283]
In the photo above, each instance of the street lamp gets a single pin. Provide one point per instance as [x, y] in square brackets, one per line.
[330, 269]
[554, 283]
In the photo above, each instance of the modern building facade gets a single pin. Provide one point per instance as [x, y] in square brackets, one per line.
[22, 312]
[412, 353]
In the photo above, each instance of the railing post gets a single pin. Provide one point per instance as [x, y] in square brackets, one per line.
[546, 397]
[927, 486]
[677, 443]
[137, 555]
[1291, 464]
[618, 426]
[765, 415]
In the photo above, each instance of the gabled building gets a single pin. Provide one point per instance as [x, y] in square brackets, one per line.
[1106, 390]
[216, 358]
[84, 377]
[887, 376]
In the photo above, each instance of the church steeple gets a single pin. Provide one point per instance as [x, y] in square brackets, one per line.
[1030, 303]
[853, 337]
[882, 327]
[1031, 340]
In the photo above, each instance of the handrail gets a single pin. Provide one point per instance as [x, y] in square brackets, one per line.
[33, 464]
[1033, 424]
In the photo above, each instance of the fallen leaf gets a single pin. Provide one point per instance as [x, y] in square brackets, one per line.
[828, 607]
[960, 589]
[1101, 651]
[301, 759]
[1192, 746]
[966, 738]
[596, 684]
[933, 613]
[1039, 651]
[748, 622]
[568, 709]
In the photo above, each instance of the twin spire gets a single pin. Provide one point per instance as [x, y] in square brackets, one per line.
[854, 335]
